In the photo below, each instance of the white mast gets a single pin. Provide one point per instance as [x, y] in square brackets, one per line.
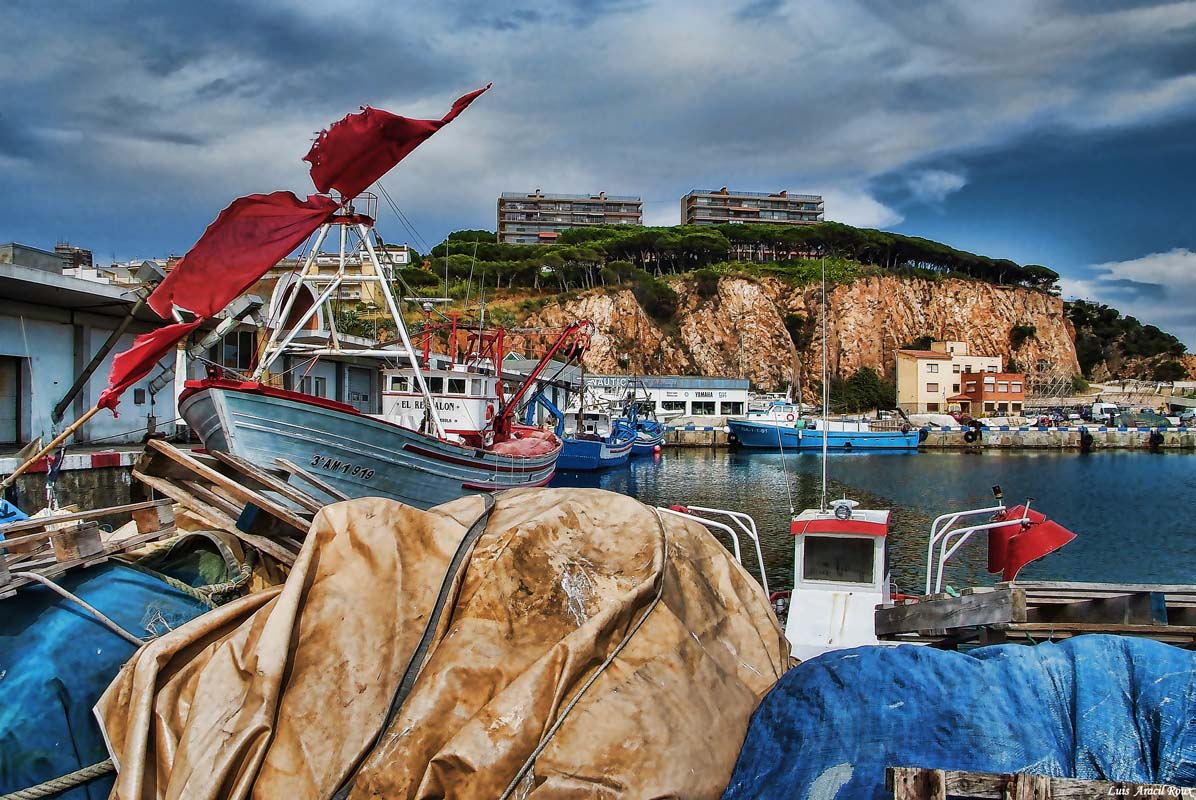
[825, 389]
[280, 340]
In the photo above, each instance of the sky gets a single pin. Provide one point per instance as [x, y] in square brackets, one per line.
[1054, 132]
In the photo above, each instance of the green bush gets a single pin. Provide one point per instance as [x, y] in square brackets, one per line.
[658, 300]
[1019, 333]
[707, 282]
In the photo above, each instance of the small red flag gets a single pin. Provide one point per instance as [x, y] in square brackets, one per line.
[135, 363]
[1013, 546]
[253, 234]
[361, 148]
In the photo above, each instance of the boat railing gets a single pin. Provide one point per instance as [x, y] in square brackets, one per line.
[943, 532]
[744, 522]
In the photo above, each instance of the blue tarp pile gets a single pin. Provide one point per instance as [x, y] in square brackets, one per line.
[56, 660]
[1094, 707]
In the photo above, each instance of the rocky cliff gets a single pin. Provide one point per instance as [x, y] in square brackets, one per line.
[754, 328]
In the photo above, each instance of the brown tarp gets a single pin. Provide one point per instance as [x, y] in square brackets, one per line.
[589, 647]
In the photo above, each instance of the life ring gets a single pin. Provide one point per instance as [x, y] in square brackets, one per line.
[789, 418]
[969, 436]
[905, 428]
[1086, 440]
[923, 434]
[1155, 439]
[489, 411]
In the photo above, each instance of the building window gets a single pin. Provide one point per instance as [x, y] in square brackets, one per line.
[971, 386]
[955, 368]
[1003, 386]
[1017, 386]
[990, 406]
[672, 405]
[990, 368]
[932, 368]
[314, 385]
[932, 388]
[967, 367]
[702, 407]
[1017, 408]
[239, 348]
[731, 409]
[931, 407]
[955, 388]
[1003, 408]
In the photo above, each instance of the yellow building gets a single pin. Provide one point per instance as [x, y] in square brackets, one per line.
[927, 378]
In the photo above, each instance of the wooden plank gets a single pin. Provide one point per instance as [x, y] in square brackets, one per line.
[1099, 627]
[990, 786]
[319, 483]
[1138, 608]
[77, 541]
[1003, 606]
[39, 523]
[219, 501]
[292, 493]
[110, 549]
[216, 518]
[916, 784]
[1119, 588]
[232, 487]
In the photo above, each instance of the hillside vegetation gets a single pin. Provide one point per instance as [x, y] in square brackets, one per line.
[1108, 344]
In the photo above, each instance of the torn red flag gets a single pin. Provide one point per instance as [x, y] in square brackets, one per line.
[253, 234]
[1013, 546]
[361, 148]
[135, 363]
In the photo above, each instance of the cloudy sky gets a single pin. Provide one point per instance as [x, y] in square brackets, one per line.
[1060, 132]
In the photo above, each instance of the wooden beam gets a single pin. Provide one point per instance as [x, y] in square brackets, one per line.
[292, 493]
[1137, 608]
[38, 524]
[319, 483]
[1017, 786]
[1003, 606]
[217, 519]
[235, 489]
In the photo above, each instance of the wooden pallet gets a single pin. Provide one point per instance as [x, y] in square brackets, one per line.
[52, 545]
[261, 508]
[912, 783]
[1033, 611]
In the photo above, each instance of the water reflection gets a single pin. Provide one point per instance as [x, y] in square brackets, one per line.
[1130, 510]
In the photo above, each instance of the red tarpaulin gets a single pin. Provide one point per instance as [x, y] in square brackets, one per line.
[135, 363]
[363, 147]
[1012, 546]
[253, 234]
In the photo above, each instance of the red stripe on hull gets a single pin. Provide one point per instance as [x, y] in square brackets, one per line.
[465, 462]
[489, 487]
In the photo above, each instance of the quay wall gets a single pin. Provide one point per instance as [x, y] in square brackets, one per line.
[88, 480]
[1042, 438]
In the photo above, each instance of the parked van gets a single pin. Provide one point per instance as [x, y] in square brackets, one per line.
[1102, 411]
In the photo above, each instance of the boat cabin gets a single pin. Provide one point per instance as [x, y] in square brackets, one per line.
[780, 413]
[466, 398]
[587, 424]
[839, 577]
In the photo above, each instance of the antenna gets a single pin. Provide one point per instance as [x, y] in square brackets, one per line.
[825, 389]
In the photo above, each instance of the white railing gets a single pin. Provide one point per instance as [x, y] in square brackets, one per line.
[746, 525]
[942, 533]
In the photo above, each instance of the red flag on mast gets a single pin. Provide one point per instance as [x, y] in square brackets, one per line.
[135, 363]
[361, 148]
[253, 234]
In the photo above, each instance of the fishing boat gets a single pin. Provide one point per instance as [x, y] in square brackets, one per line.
[639, 415]
[780, 425]
[592, 440]
[444, 430]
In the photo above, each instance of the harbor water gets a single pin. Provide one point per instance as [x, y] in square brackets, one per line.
[1132, 512]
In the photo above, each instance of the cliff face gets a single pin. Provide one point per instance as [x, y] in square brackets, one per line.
[741, 330]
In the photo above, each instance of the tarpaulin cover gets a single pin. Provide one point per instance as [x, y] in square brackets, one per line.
[135, 363]
[253, 234]
[1094, 707]
[56, 660]
[361, 148]
[305, 693]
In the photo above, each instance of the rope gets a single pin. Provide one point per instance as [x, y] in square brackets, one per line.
[107, 623]
[68, 781]
[560, 720]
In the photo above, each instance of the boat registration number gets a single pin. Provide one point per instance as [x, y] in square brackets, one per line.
[343, 467]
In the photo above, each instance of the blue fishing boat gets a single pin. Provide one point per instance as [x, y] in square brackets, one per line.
[781, 427]
[590, 439]
[649, 434]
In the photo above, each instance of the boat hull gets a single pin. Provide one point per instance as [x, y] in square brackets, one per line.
[649, 438]
[584, 454]
[775, 437]
[359, 455]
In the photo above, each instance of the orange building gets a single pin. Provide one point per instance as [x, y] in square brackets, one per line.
[986, 394]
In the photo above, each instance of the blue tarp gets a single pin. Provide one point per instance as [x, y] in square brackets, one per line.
[1094, 707]
[56, 660]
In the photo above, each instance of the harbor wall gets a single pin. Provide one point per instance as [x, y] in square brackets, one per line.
[88, 480]
[1045, 438]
